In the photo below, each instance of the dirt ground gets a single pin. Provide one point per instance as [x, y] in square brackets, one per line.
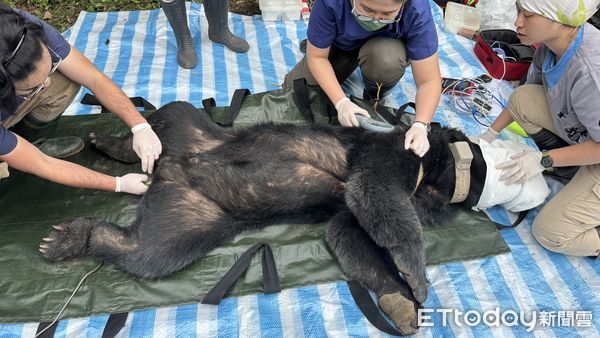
[63, 13]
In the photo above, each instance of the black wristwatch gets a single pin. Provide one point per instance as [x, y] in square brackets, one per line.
[426, 125]
[546, 161]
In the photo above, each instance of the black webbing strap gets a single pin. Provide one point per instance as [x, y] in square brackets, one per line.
[208, 105]
[48, 333]
[370, 310]
[301, 94]
[269, 270]
[518, 221]
[138, 101]
[115, 323]
[235, 105]
[391, 118]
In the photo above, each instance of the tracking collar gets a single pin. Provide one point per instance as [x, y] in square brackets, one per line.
[462, 165]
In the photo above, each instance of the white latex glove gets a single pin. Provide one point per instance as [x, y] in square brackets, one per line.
[346, 110]
[416, 139]
[489, 135]
[132, 184]
[521, 167]
[146, 145]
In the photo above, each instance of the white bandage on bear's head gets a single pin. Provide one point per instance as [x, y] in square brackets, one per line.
[568, 12]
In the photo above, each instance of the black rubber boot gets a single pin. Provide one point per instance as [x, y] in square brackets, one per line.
[546, 140]
[60, 147]
[177, 16]
[218, 30]
[303, 46]
[375, 91]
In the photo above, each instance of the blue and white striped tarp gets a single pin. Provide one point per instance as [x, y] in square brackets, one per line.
[138, 51]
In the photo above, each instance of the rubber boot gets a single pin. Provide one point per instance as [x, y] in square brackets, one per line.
[546, 140]
[60, 147]
[57, 147]
[303, 46]
[218, 30]
[177, 16]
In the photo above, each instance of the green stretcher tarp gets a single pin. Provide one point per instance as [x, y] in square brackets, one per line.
[34, 289]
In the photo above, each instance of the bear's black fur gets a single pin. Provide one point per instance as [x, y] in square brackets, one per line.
[211, 183]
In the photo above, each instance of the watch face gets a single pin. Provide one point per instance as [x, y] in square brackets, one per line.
[546, 162]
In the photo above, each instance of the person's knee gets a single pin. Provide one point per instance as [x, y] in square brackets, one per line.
[515, 102]
[521, 99]
[299, 71]
[544, 231]
[383, 60]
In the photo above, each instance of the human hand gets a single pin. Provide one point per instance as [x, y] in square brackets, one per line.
[346, 112]
[521, 167]
[146, 145]
[416, 139]
[132, 184]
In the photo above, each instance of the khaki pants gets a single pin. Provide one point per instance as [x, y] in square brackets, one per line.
[45, 107]
[48, 105]
[567, 224]
[381, 60]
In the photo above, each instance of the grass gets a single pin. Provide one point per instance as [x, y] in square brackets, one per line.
[62, 14]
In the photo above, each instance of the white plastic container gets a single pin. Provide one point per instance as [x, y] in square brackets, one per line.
[273, 10]
[462, 19]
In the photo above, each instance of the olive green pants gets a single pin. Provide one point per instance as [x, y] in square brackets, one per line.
[567, 224]
[381, 60]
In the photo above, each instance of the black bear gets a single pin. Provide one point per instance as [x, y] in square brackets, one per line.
[212, 182]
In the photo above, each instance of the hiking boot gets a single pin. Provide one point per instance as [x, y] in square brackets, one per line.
[60, 147]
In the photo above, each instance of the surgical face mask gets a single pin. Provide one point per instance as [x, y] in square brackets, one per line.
[370, 26]
[369, 23]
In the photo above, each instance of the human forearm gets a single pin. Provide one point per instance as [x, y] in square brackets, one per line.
[428, 80]
[322, 71]
[79, 69]
[585, 153]
[115, 100]
[427, 100]
[502, 121]
[73, 175]
[29, 159]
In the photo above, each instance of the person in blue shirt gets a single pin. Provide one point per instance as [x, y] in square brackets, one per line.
[382, 37]
[40, 75]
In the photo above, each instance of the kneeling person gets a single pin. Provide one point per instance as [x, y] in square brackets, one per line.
[40, 75]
